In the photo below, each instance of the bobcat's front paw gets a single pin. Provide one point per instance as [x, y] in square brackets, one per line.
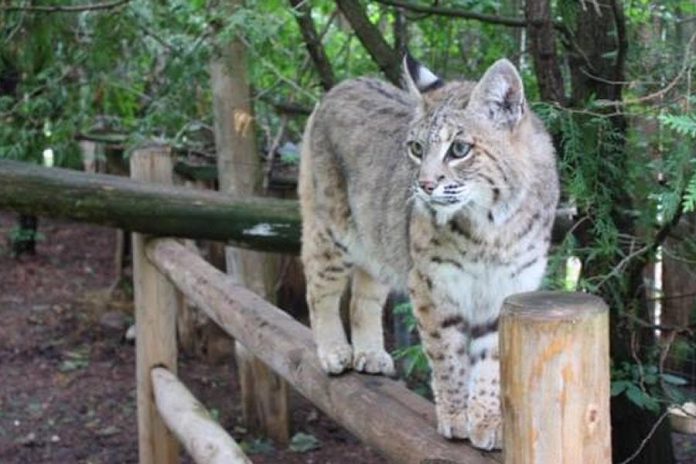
[452, 425]
[485, 426]
[373, 362]
[336, 358]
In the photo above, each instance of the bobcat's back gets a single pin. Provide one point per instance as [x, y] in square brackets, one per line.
[354, 179]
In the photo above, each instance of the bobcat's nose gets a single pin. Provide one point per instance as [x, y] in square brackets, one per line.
[427, 186]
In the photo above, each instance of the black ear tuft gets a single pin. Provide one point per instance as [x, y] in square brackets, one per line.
[418, 78]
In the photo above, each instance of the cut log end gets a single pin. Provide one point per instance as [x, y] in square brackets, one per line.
[553, 306]
[555, 378]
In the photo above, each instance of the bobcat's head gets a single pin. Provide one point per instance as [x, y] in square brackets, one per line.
[464, 138]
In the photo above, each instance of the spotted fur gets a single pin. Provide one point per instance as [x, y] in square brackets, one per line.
[447, 189]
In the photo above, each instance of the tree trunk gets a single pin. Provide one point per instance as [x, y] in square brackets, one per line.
[264, 396]
[542, 47]
[678, 285]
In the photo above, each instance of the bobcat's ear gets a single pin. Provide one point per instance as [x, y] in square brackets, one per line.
[417, 78]
[499, 95]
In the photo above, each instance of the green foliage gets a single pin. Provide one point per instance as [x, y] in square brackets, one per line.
[690, 195]
[141, 70]
[256, 446]
[684, 125]
[304, 442]
[644, 385]
[19, 234]
[416, 367]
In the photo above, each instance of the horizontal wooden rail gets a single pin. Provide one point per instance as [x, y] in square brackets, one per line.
[265, 224]
[379, 411]
[204, 439]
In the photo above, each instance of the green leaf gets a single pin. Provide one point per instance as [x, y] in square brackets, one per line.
[256, 446]
[673, 379]
[619, 387]
[303, 442]
[636, 395]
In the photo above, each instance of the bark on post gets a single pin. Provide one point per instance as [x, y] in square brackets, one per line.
[156, 302]
[554, 351]
[264, 397]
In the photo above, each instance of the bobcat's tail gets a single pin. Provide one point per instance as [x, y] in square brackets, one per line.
[305, 184]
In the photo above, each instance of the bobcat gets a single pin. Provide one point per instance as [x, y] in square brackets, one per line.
[447, 189]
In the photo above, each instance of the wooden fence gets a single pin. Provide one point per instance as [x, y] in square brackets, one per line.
[554, 347]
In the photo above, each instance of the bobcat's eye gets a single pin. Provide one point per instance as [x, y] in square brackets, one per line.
[459, 149]
[416, 149]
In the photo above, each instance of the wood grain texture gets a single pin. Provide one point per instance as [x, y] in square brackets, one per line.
[156, 306]
[555, 379]
[204, 439]
[379, 411]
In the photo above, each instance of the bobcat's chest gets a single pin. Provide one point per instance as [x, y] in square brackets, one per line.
[472, 274]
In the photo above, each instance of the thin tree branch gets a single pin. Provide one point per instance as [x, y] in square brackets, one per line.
[388, 60]
[542, 46]
[459, 13]
[65, 8]
[660, 93]
[686, 329]
[303, 15]
[288, 108]
[622, 46]
[646, 439]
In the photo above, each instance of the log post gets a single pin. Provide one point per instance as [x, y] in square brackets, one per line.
[156, 303]
[204, 439]
[554, 351]
[264, 395]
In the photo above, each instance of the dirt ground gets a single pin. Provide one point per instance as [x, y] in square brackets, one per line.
[67, 377]
[67, 374]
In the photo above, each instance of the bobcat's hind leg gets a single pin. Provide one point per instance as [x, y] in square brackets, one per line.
[327, 272]
[366, 306]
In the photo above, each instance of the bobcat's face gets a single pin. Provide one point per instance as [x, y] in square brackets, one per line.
[453, 169]
[462, 142]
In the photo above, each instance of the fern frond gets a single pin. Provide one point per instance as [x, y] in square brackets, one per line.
[684, 124]
[689, 201]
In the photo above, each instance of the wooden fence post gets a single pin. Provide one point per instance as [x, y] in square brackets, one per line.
[554, 351]
[156, 303]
